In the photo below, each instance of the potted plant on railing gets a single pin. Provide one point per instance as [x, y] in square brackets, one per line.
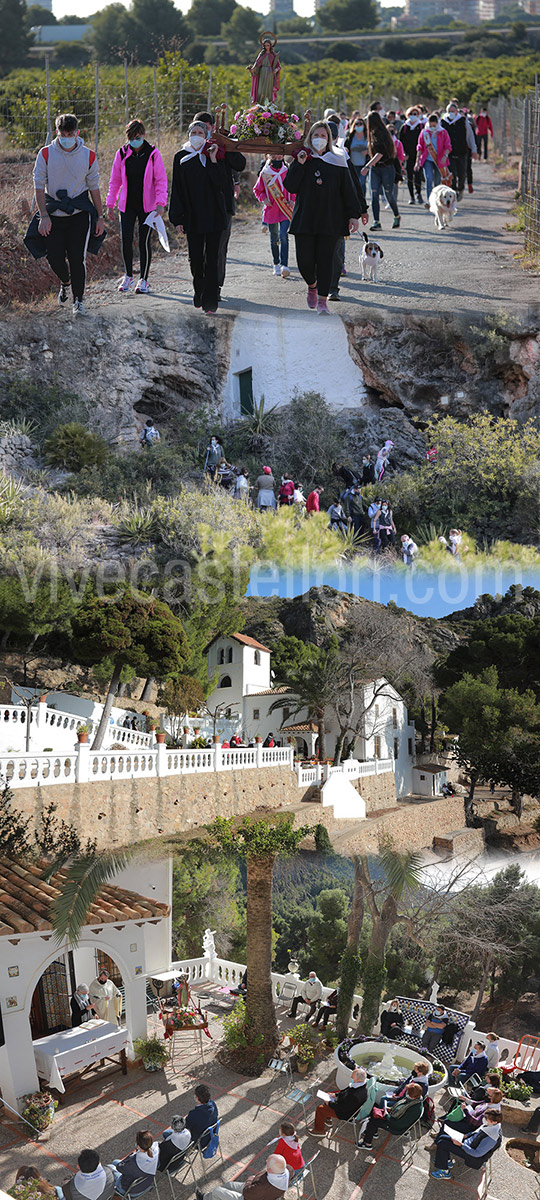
[198, 743]
[83, 731]
[160, 737]
[39, 1109]
[153, 1052]
[306, 1042]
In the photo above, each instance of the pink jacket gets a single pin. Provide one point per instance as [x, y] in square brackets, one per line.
[154, 184]
[444, 148]
[400, 153]
[272, 214]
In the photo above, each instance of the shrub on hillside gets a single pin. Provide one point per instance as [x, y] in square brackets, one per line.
[74, 447]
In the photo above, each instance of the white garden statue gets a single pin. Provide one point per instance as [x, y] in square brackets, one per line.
[209, 945]
[434, 992]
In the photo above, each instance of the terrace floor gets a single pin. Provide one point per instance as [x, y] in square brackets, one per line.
[106, 1112]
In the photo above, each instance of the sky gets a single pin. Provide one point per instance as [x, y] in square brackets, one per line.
[84, 8]
[421, 593]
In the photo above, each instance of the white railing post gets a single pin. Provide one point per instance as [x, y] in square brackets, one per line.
[161, 759]
[259, 753]
[218, 756]
[82, 765]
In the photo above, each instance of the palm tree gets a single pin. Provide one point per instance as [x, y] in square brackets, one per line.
[259, 843]
[401, 874]
[81, 875]
[349, 971]
[310, 671]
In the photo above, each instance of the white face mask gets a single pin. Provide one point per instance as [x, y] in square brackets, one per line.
[196, 140]
[319, 144]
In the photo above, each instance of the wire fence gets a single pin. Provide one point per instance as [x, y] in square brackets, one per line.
[530, 172]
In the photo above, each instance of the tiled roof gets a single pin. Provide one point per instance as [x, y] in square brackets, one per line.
[429, 768]
[279, 691]
[26, 900]
[239, 637]
[303, 727]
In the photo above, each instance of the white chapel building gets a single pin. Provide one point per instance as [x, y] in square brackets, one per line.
[239, 667]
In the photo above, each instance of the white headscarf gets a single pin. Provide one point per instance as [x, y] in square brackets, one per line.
[452, 116]
[413, 121]
[491, 1131]
[190, 152]
[145, 1163]
[280, 1181]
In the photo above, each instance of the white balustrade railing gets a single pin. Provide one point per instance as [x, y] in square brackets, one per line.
[350, 769]
[88, 766]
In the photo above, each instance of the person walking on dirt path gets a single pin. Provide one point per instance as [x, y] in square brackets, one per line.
[433, 150]
[381, 168]
[484, 129]
[409, 137]
[233, 170]
[138, 185]
[66, 183]
[278, 207]
[462, 138]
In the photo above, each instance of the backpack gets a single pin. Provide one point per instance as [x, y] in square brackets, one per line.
[149, 436]
[45, 153]
[428, 1115]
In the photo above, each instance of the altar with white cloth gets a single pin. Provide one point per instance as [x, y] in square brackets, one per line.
[76, 1051]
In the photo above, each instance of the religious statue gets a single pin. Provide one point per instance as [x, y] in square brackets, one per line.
[105, 998]
[209, 945]
[434, 993]
[265, 72]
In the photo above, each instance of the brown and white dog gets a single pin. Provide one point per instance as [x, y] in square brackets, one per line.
[370, 258]
[443, 205]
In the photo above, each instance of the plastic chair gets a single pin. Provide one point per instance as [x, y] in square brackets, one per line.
[410, 1139]
[286, 994]
[299, 1096]
[298, 1177]
[526, 1057]
[282, 1066]
[333, 1131]
[151, 1183]
[485, 1167]
[361, 1119]
[212, 1148]
[181, 1166]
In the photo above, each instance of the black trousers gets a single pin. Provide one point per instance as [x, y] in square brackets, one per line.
[338, 263]
[128, 221]
[203, 250]
[300, 1000]
[223, 248]
[482, 140]
[458, 167]
[66, 250]
[414, 178]
[314, 259]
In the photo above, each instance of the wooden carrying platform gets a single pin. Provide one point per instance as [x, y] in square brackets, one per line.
[256, 145]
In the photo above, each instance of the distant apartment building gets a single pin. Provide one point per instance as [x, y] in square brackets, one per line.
[282, 8]
[50, 35]
[470, 11]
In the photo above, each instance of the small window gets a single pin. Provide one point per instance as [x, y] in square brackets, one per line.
[396, 747]
[225, 682]
[256, 714]
[229, 654]
[422, 777]
[228, 714]
[377, 747]
[410, 747]
[257, 658]
[286, 714]
[394, 718]
[221, 657]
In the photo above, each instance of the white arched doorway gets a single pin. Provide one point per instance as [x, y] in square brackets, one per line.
[50, 1008]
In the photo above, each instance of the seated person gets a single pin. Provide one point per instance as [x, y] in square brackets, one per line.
[270, 1184]
[419, 1074]
[327, 1007]
[203, 1116]
[434, 1028]
[40, 1186]
[91, 1180]
[142, 1161]
[476, 1063]
[175, 1139]
[241, 990]
[473, 1112]
[288, 1146]
[398, 1119]
[342, 1105]
[310, 993]
[474, 1150]
[392, 1021]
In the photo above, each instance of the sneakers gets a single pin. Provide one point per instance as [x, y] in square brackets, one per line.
[333, 296]
[316, 1133]
[344, 271]
[396, 223]
[143, 286]
[199, 1194]
[471, 189]
[426, 205]
[63, 293]
[322, 306]
[366, 1145]
[210, 312]
[312, 297]
[285, 273]
[419, 199]
[441, 1175]
[79, 309]
[276, 269]
[376, 225]
[412, 200]
[126, 283]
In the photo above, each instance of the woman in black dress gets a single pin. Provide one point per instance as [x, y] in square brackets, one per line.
[327, 208]
[198, 207]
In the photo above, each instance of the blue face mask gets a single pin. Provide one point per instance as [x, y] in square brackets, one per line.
[136, 143]
[67, 143]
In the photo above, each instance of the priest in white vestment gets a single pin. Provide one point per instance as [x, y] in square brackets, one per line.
[106, 999]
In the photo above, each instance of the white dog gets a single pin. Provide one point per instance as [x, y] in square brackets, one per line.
[370, 258]
[443, 205]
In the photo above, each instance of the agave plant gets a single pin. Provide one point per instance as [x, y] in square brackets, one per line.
[139, 525]
[11, 491]
[17, 425]
[260, 426]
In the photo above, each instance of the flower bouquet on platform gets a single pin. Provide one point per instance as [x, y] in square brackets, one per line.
[260, 129]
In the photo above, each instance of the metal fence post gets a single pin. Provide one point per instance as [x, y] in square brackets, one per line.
[48, 100]
[156, 109]
[209, 103]
[96, 110]
[126, 89]
[226, 106]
